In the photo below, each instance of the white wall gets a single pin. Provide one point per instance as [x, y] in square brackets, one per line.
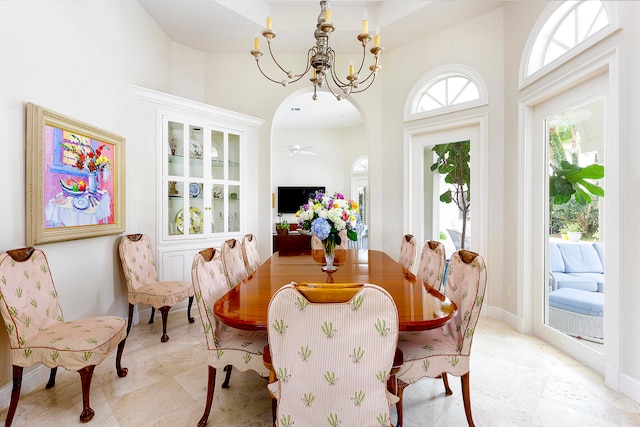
[79, 59]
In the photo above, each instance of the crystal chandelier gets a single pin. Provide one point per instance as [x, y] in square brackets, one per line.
[321, 58]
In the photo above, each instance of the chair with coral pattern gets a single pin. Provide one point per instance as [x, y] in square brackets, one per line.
[447, 350]
[331, 351]
[38, 333]
[226, 346]
[432, 264]
[233, 261]
[407, 251]
[250, 253]
[143, 285]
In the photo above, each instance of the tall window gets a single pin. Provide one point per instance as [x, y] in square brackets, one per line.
[445, 89]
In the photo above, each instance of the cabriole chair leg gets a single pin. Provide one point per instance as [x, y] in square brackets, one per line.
[466, 397]
[86, 374]
[122, 372]
[52, 378]
[227, 369]
[210, 388]
[191, 319]
[15, 394]
[445, 380]
[130, 321]
[165, 313]
[153, 313]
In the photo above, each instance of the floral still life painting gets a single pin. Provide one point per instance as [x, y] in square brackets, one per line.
[77, 172]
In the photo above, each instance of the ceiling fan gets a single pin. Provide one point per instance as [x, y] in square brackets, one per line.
[297, 149]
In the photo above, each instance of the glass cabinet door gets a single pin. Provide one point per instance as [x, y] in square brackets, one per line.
[202, 180]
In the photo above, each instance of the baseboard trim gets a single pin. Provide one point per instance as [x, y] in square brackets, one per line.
[630, 387]
[32, 378]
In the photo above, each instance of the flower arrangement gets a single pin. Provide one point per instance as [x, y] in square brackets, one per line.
[325, 216]
[86, 157]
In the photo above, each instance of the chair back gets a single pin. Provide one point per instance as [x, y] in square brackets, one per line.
[233, 261]
[250, 253]
[432, 264]
[332, 358]
[407, 251]
[210, 284]
[29, 301]
[465, 285]
[137, 261]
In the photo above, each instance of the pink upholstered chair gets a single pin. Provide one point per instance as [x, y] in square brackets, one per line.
[448, 349]
[331, 351]
[407, 251]
[432, 264]
[233, 261]
[143, 286]
[38, 333]
[226, 346]
[250, 253]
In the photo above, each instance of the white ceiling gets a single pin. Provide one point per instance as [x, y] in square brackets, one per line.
[229, 26]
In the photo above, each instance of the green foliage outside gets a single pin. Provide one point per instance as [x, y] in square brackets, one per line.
[573, 191]
[453, 162]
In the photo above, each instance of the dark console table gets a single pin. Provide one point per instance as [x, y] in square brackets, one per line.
[292, 244]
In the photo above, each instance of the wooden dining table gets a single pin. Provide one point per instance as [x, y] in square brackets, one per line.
[420, 307]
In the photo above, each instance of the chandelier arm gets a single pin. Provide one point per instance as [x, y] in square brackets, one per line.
[332, 60]
[361, 88]
[263, 73]
[274, 58]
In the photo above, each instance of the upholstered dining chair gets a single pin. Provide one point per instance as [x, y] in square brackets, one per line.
[226, 346]
[250, 253]
[447, 350]
[407, 251]
[38, 333]
[233, 261]
[143, 286]
[332, 349]
[432, 264]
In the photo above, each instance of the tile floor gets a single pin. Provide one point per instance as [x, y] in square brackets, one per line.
[516, 380]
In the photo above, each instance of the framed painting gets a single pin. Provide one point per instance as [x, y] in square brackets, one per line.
[75, 179]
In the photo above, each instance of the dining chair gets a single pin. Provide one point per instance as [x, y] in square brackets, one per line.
[407, 251]
[332, 349]
[226, 346]
[447, 350]
[143, 285]
[432, 264]
[233, 261]
[38, 333]
[250, 253]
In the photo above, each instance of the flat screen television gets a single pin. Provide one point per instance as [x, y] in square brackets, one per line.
[291, 198]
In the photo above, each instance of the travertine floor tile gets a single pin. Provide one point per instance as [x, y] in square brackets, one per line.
[516, 380]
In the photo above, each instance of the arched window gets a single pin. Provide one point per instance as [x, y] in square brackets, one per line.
[443, 90]
[563, 30]
[360, 165]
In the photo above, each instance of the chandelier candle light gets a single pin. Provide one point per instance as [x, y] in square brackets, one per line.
[321, 58]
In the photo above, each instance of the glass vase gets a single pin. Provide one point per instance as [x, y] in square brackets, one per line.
[329, 245]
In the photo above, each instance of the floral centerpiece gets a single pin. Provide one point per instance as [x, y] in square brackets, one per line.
[325, 216]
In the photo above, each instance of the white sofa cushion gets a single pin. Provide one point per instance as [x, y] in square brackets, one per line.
[580, 258]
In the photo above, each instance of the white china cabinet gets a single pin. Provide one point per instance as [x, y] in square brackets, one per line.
[201, 188]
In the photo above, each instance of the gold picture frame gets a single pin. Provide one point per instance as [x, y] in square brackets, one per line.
[75, 179]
